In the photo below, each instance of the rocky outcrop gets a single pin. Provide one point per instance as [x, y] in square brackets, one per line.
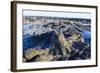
[56, 40]
[32, 53]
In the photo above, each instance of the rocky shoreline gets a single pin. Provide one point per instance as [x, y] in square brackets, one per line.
[55, 40]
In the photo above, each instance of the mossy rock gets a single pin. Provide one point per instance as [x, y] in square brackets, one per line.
[30, 53]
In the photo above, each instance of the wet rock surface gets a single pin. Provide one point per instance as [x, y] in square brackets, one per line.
[56, 40]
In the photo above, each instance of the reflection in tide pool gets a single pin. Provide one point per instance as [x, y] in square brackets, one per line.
[87, 36]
